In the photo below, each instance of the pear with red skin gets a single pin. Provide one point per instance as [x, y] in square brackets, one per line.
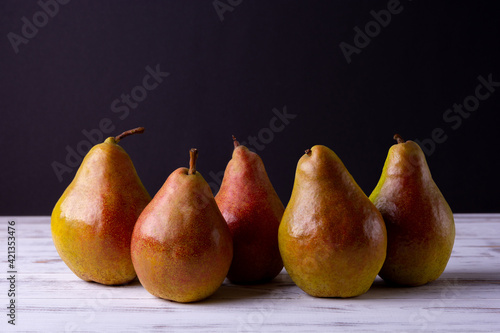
[92, 222]
[253, 212]
[332, 238]
[181, 245]
[419, 221]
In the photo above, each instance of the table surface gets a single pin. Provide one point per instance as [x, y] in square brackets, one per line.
[50, 298]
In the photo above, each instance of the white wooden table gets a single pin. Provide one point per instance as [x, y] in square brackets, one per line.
[50, 298]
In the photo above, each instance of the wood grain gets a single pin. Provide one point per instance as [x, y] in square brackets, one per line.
[50, 298]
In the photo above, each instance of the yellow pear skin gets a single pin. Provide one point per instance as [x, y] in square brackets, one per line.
[181, 245]
[419, 221]
[92, 222]
[332, 238]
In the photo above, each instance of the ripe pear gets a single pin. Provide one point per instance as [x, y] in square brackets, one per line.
[181, 245]
[253, 212]
[92, 222]
[332, 238]
[419, 222]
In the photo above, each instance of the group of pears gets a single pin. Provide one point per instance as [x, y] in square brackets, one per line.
[331, 238]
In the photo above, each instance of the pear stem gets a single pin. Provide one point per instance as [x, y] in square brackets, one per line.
[398, 138]
[308, 151]
[193, 155]
[129, 132]
[236, 143]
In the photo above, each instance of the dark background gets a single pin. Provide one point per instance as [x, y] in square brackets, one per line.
[227, 76]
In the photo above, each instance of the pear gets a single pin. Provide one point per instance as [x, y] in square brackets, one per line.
[253, 212]
[332, 238]
[181, 245]
[419, 221]
[92, 222]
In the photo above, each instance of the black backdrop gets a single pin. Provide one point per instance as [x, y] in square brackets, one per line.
[280, 75]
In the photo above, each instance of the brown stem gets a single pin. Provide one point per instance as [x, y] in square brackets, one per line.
[308, 151]
[398, 138]
[193, 155]
[129, 132]
[236, 143]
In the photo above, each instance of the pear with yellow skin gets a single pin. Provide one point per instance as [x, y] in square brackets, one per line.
[419, 221]
[332, 238]
[181, 245]
[92, 222]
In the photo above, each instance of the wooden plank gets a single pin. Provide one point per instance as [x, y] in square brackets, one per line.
[466, 298]
[267, 315]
